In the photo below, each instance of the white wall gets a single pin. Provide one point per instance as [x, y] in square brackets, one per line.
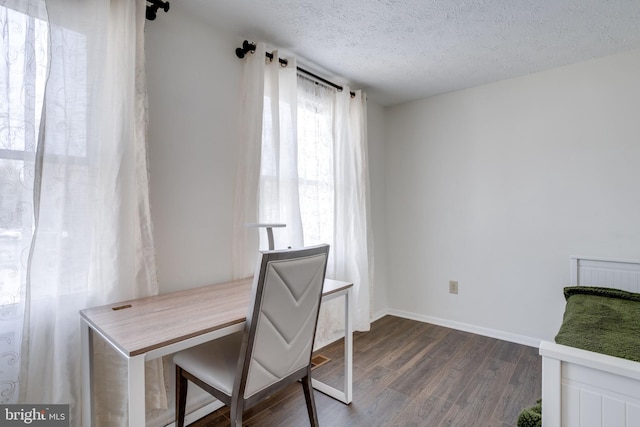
[194, 84]
[496, 186]
[377, 159]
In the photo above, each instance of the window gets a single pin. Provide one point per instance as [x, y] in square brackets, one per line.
[297, 164]
[315, 161]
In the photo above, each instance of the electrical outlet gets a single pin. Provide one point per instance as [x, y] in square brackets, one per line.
[453, 287]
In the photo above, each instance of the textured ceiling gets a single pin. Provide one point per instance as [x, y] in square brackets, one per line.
[401, 50]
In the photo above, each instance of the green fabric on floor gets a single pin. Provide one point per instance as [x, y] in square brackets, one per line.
[531, 417]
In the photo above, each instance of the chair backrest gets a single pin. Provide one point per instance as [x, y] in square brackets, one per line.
[282, 320]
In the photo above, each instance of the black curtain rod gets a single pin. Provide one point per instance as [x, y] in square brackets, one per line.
[152, 9]
[250, 47]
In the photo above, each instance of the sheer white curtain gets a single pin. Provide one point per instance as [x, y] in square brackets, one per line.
[334, 192]
[311, 157]
[76, 224]
[353, 254]
[267, 177]
[278, 194]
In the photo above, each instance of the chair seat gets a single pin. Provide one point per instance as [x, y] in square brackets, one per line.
[213, 362]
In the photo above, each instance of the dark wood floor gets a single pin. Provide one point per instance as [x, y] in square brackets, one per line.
[408, 373]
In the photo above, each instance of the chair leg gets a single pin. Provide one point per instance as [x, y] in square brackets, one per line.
[311, 402]
[181, 396]
[235, 412]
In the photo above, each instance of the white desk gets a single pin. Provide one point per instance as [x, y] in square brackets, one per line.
[147, 328]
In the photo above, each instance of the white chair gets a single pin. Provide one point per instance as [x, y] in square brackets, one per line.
[274, 349]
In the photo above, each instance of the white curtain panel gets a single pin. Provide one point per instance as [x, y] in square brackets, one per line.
[353, 254]
[74, 145]
[334, 191]
[245, 240]
[313, 176]
[23, 71]
[278, 194]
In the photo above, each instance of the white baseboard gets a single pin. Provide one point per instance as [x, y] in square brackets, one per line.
[379, 314]
[479, 330]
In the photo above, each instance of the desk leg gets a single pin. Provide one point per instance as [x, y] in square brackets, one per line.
[137, 409]
[346, 395]
[348, 347]
[86, 338]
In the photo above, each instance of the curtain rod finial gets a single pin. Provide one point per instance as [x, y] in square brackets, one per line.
[246, 47]
[152, 9]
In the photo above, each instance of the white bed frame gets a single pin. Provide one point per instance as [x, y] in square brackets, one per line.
[587, 389]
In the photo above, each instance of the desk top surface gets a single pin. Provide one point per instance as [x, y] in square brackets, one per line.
[144, 324]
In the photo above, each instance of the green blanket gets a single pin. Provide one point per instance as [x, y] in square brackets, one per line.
[602, 320]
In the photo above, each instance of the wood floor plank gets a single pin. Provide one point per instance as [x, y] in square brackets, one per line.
[373, 402]
[381, 330]
[409, 373]
[413, 380]
[451, 381]
[426, 412]
[478, 401]
[507, 351]
[408, 353]
[525, 385]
